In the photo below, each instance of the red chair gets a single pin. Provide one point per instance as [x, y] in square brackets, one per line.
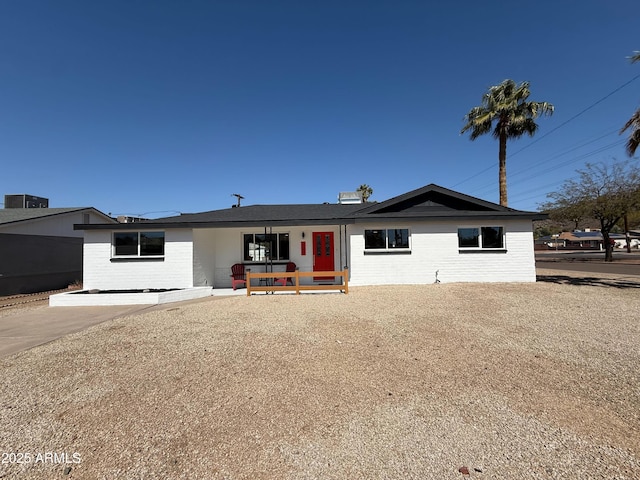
[238, 276]
[291, 267]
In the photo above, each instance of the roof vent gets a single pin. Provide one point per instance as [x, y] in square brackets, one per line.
[349, 198]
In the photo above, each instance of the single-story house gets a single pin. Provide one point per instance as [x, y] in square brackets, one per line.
[587, 240]
[40, 249]
[423, 236]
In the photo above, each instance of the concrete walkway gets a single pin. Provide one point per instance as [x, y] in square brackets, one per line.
[29, 327]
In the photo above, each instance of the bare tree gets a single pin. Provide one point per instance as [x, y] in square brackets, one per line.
[604, 192]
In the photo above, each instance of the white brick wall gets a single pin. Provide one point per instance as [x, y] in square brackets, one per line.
[176, 271]
[434, 247]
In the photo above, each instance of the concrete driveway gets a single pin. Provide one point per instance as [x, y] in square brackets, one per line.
[25, 328]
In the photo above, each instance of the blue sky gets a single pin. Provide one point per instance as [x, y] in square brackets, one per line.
[158, 107]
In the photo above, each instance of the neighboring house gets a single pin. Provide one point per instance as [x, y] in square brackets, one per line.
[580, 240]
[588, 240]
[415, 238]
[40, 249]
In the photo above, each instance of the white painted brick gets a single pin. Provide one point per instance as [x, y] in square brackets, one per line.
[203, 257]
[434, 247]
[176, 271]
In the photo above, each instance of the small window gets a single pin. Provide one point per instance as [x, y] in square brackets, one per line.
[481, 238]
[151, 243]
[492, 237]
[398, 238]
[283, 246]
[138, 244]
[375, 239]
[468, 237]
[389, 239]
[125, 243]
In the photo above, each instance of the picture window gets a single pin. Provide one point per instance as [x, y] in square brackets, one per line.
[386, 239]
[138, 244]
[260, 247]
[481, 238]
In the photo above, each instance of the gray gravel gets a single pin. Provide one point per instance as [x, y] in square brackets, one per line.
[509, 380]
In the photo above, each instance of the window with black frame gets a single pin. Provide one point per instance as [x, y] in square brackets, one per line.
[260, 247]
[468, 237]
[151, 243]
[386, 239]
[481, 238]
[138, 244]
[398, 238]
[492, 237]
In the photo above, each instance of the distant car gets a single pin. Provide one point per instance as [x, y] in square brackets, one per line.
[635, 243]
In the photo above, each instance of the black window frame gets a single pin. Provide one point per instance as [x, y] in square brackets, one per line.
[280, 242]
[377, 239]
[480, 238]
[138, 244]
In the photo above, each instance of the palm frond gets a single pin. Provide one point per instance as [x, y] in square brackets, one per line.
[505, 105]
[479, 129]
[634, 138]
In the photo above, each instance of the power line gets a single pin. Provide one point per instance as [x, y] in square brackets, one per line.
[518, 196]
[616, 90]
[577, 115]
[556, 166]
[537, 164]
[564, 153]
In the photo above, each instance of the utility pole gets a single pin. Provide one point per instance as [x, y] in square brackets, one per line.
[239, 197]
[626, 233]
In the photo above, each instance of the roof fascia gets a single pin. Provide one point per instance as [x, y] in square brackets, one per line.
[458, 216]
[231, 224]
[55, 214]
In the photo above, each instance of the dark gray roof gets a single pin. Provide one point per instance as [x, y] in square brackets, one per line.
[429, 202]
[259, 213]
[433, 201]
[13, 215]
[255, 216]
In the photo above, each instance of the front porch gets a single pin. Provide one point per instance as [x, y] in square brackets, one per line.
[267, 250]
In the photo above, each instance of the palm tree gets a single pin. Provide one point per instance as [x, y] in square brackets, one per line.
[366, 191]
[507, 105]
[634, 122]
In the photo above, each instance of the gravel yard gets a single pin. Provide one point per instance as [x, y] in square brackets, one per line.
[510, 381]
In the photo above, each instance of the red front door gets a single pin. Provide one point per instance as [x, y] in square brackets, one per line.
[323, 254]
